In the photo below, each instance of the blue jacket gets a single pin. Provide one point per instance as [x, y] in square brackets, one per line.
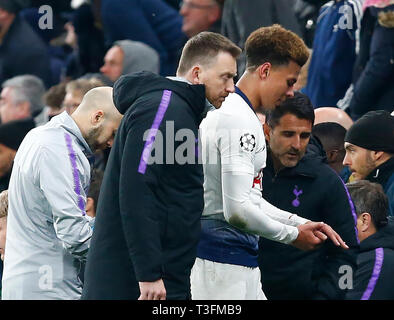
[23, 52]
[150, 21]
[373, 74]
[334, 52]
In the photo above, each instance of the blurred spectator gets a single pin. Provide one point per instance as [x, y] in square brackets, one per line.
[54, 99]
[200, 15]
[153, 22]
[373, 279]
[11, 136]
[89, 40]
[335, 47]
[333, 114]
[22, 97]
[3, 228]
[94, 192]
[75, 90]
[127, 56]
[300, 182]
[22, 51]
[174, 3]
[332, 137]
[3, 220]
[369, 145]
[242, 17]
[57, 54]
[303, 76]
[373, 75]
[307, 12]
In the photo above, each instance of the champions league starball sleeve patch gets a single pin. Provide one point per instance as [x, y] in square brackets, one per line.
[247, 142]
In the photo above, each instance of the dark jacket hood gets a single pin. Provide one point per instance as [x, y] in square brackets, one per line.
[384, 238]
[128, 88]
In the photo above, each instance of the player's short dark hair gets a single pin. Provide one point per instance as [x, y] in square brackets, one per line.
[275, 45]
[331, 134]
[203, 48]
[370, 197]
[299, 105]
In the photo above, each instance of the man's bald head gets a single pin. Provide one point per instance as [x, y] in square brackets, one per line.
[332, 114]
[99, 98]
[97, 117]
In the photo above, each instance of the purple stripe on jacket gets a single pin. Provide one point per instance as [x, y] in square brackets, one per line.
[164, 103]
[77, 188]
[353, 210]
[379, 255]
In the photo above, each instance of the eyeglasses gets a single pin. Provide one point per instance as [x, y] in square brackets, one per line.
[191, 5]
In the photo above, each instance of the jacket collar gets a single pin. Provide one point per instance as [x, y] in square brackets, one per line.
[67, 123]
[382, 173]
[303, 168]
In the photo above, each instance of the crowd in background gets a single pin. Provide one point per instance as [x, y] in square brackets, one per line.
[53, 52]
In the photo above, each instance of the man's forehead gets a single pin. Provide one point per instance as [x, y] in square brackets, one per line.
[290, 120]
[352, 146]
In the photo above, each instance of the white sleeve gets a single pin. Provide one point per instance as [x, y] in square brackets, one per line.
[241, 212]
[242, 207]
[61, 185]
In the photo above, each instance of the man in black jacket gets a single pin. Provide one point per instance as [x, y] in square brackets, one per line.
[148, 217]
[369, 145]
[21, 50]
[373, 279]
[301, 182]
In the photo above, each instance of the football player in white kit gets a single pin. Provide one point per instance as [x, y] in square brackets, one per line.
[234, 153]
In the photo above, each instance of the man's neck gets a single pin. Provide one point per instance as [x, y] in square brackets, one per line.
[276, 164]
[247, 84]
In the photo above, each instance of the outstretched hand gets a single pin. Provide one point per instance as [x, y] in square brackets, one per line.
[313, 234]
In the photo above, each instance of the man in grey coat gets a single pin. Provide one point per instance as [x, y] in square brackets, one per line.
[241, 17]
[48, 231]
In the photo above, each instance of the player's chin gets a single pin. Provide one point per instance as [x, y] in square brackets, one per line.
[218, 103]
[290, 161]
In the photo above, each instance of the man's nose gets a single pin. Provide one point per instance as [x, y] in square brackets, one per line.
[290, 92]
[296, 145]
[346, 161]
[230, 86]
[103, 69]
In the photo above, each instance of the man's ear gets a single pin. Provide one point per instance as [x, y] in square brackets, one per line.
[97, 117]
[366, 221]
[264, 70]
[376, 155]
[332, 155]
[214, 14]
[24, 107]
[195, 75]
[267, 131]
